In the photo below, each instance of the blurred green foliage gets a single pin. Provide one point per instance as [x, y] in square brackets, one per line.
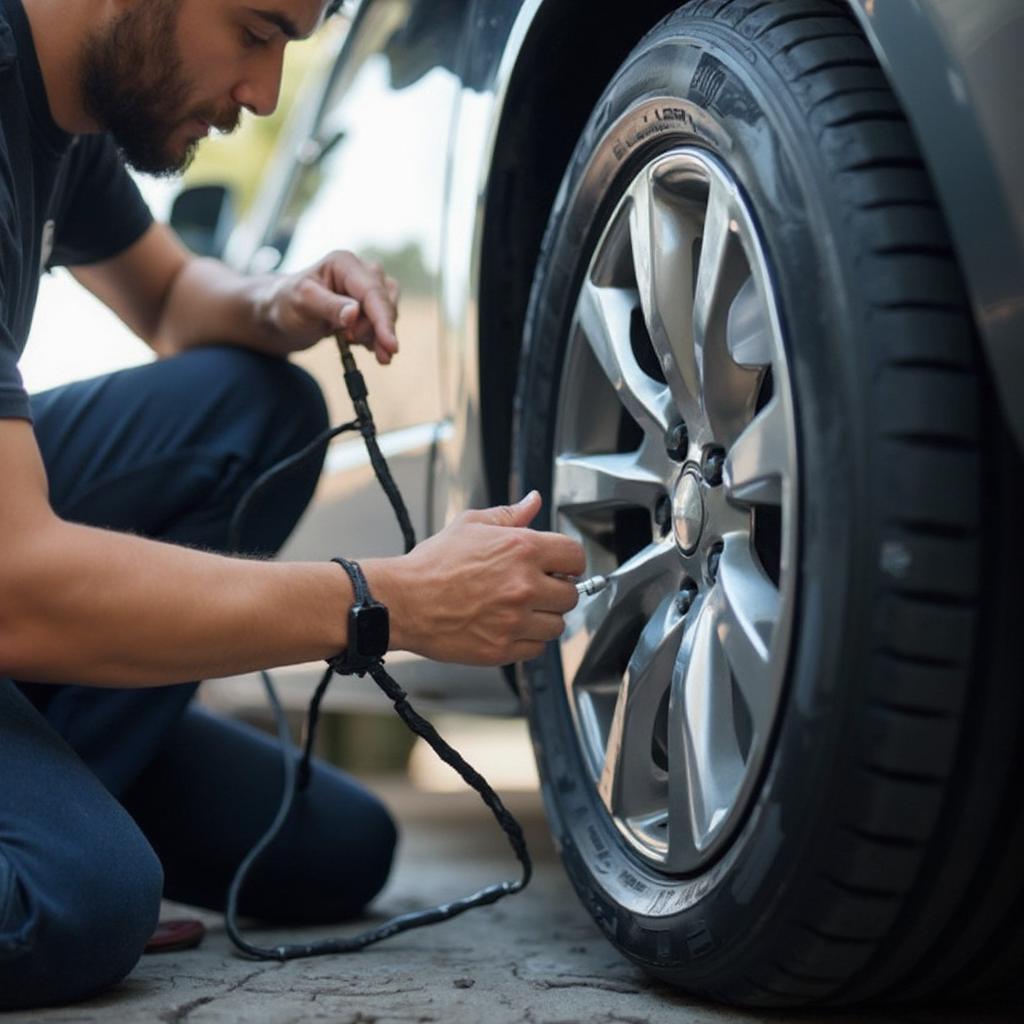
[406, 264]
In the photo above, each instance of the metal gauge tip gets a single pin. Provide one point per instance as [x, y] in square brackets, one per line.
[591, 586]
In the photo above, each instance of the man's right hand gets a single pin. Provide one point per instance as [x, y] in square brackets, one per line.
[484, 591]
[86, 605]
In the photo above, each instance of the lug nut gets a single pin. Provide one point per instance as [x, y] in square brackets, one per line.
[686, 596]
[714, 560]
[714, 464]
[677, 442]
[663, 514]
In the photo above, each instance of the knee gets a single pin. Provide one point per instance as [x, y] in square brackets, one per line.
[270, 396]
[284, 394]
[287, 410]
[376, 837]
[78, 928]
[301, 407]
[125, 908]
[381, 838]
[345, 869]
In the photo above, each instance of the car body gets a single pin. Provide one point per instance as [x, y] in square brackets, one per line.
[447, 127]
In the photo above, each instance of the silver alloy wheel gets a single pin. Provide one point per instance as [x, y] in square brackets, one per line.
[676, 468]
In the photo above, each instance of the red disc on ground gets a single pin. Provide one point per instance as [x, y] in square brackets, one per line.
[185, 933]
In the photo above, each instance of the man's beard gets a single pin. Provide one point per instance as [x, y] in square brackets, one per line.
[134, 86]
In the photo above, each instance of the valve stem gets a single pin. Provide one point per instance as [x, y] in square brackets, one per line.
[590, 587]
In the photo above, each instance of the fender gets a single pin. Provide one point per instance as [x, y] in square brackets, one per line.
[957, 71]
[499, 39]
[525, 100]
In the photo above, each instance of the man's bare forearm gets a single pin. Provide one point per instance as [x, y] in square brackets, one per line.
[175, 300]
[93, 606]
[207, 301]
[210, 302]
[79, 604]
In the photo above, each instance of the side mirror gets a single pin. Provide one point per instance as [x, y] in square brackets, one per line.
[204, 216]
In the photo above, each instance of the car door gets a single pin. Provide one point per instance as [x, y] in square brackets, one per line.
[365, 167]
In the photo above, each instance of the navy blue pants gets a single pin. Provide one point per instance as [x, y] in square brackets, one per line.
[110, 798]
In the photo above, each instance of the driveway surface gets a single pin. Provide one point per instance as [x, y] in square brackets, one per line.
[534, 958]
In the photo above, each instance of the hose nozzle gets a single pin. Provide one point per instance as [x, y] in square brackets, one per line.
[590, 587]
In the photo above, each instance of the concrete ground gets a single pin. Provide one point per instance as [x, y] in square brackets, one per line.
[534, 958]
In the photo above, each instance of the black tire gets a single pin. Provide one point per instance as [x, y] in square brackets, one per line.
[879, 855]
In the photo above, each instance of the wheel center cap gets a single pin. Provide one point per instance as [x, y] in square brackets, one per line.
[688, 512]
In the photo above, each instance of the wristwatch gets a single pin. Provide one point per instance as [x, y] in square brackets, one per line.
[369, 627]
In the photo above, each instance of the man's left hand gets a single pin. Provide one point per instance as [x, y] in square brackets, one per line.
[340, 295]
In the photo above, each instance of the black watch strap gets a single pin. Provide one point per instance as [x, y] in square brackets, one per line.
[355, 574]
[368, 627]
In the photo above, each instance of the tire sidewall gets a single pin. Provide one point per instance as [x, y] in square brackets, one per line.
[673, 91]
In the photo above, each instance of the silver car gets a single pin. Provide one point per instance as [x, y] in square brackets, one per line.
[739, 286]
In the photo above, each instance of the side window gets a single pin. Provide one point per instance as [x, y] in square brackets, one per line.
[371, 179]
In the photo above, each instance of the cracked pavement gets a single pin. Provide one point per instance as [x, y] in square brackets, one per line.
[534, 958]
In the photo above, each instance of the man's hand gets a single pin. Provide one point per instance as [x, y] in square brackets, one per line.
[175, 300]
[483, 591]
[338, 295]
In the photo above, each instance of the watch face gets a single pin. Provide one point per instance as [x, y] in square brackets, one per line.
[372, 630]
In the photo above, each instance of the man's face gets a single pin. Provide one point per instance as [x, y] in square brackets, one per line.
[162, 73]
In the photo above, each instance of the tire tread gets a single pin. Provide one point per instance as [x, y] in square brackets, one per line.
[908, 738]
[926, 393]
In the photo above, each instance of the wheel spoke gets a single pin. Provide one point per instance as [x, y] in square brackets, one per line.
[662, 238]
[604, 318]
[719, 246]
[594, 627]
[748, 330]
[649, 570]
[631, 784]
[750, 607]
[594, 482]
[728, 388]
[705, 766]
[761, 458]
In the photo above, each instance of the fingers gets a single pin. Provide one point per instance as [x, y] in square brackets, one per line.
[380, 313]
[560, 555]
[558, 596]
[340, 295]
[525, 650]
[552, 553]
[541, 629]
[524, 511]
[364, 333]
[350, 314]
[506, 586]
[521, 514]
[321, 303]
[377, 295]
[544, 626]
[342, 314]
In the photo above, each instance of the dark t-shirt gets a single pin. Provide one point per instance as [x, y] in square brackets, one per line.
[64, 200]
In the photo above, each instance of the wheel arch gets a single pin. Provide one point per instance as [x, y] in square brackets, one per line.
[956, 71]
[546, 103]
